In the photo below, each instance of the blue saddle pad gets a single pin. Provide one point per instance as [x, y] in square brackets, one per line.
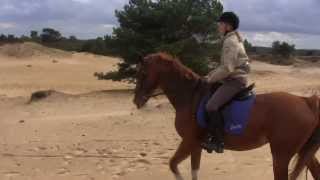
[236, 115]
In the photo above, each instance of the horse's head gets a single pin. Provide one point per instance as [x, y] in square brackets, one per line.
[148, 76]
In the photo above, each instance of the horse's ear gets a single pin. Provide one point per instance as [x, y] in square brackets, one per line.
[146, 59]
[188, 76]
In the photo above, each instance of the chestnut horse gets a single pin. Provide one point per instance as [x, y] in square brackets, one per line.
[289, 123]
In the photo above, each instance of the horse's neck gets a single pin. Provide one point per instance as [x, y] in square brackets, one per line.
[179, 90]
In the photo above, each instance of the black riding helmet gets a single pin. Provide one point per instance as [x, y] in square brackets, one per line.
[230, 18]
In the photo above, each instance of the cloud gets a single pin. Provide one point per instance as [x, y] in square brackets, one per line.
[266, 39]
[293, 16]
[262, 21]
[294, 21]
[7, 25]
[84, 18]
[83, 1]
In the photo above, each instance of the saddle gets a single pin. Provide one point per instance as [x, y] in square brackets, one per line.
[235, 112]
[243, 95]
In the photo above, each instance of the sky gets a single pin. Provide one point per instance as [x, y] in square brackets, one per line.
[262, 22]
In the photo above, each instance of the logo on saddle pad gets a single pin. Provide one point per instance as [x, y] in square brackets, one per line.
[235, 115]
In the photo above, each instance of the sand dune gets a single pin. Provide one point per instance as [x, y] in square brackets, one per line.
[20, 76]
[30, 50]
[90, 130]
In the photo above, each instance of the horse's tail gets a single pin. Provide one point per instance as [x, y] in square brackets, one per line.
[309, 150]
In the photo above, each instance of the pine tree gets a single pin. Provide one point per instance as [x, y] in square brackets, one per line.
[148, 26]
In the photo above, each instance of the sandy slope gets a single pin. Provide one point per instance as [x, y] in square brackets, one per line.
[46, 68]
[99, 134]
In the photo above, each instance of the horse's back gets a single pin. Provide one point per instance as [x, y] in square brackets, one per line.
[283, 107]
[276, 114]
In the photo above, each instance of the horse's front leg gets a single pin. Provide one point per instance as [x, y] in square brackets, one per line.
[195, 162]
[183, 152]
[314, 167]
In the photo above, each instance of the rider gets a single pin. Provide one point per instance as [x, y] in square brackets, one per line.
[232, 73]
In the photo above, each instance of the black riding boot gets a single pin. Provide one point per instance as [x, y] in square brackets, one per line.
[214, 139]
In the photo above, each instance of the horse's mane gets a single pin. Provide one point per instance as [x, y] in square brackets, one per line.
[176, 63]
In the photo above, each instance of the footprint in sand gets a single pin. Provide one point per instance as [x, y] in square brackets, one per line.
[99, 165]
[12, 174]
[143, 161]
[118, 174]
[66, 162]
[42, 148]
[79, 151]
[249, 164]
[63, 171]
[156, 143]
[161, 153]
[138, 164]
[143, 154]
[103, 152]
[122, 168]
[68, 157]
[165, 163]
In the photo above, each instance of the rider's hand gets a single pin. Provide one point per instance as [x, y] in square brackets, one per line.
[205, 79]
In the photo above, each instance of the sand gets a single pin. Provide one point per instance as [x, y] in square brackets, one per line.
[90, 129]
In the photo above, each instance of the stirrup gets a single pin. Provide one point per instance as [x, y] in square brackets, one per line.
[210, 145]
[213, 147]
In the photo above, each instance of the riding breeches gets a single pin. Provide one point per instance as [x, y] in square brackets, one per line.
[225, 93]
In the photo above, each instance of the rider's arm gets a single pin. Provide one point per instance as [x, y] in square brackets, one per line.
[228, 60]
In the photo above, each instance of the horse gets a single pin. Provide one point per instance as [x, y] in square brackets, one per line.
[289, 123]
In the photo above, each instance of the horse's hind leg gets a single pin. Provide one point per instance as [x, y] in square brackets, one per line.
[183, 151]
[314, 167]
[281, 159]
[195, 162]
[280, 168]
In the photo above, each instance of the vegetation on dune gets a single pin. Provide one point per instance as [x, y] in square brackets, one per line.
[53, 38]
[283, 53]
[283, 49]
[187, 29]
[9, 39]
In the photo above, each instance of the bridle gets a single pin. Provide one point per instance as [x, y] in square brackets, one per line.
[152, 94]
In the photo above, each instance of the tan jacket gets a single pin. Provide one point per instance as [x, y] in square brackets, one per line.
[233, 57]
